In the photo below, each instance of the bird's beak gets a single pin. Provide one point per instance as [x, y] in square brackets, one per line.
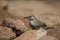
[26, 17]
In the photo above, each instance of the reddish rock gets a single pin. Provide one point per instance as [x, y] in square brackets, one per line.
[22, 25]
[6, 33]
[15, 23]
[32, 35]
[53, 32]
[18, 26]
[49, 38]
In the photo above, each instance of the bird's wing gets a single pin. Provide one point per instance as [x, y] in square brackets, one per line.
[42, 24]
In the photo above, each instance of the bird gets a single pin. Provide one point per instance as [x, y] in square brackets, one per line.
[35, 23]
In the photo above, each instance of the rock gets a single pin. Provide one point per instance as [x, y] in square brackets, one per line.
[9, 22]
[32, 35]
[49, 38]
[15, 23]
[21, 26]
[58, 30]
[26, 22]
[53, 32]
[6, 33]
[3, 4]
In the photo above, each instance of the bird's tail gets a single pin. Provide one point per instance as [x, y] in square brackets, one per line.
[48, 27]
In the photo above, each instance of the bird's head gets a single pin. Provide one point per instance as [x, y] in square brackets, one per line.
[31, 17]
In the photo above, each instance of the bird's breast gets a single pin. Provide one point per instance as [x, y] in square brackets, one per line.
[34, 23]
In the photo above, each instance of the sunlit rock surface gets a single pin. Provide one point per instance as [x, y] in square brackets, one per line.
[32, 35]
[6, 33]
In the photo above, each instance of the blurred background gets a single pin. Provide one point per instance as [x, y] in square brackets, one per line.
[47, 8]
[36, 7]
